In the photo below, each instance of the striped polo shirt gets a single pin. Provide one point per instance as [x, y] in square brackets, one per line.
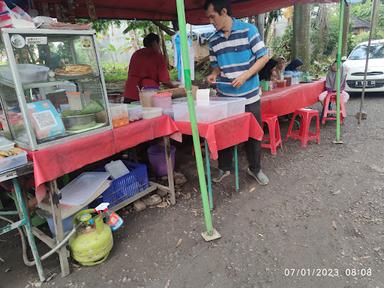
[236, 55]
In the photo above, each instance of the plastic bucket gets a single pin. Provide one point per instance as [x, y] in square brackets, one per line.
[157, 160]
[162, 100]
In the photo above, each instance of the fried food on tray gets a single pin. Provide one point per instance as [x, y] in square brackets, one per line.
[74, 69]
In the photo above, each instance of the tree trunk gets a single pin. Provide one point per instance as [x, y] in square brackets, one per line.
[321, 26]
[301, 36]
[163, 46]
[375, 19]
[344, 51]
[260, 22]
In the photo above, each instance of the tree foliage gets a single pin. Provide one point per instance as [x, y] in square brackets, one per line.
[364, 11]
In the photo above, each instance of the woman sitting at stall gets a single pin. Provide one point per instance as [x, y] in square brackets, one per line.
[330, 84]
[268, 73]
[294, 65]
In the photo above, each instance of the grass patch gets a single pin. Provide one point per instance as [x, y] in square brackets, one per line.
[114, 72]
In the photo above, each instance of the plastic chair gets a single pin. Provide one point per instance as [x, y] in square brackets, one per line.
[273, 140]
[330, 114]
[303, 133]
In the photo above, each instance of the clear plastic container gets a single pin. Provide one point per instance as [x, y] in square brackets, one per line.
[169, 112]
[135, 112]
[215, 111]
[8, 163]
[120, 114]
[146, 96]
[235, 105]
[152, 112]
[162, 100]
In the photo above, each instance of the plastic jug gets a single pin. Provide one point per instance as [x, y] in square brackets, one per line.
[146, 95]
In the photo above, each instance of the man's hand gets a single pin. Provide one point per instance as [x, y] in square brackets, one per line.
[212, 78]
[239, 81]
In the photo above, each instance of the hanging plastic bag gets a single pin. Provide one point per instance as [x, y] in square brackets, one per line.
[5, 16]
[15, 17]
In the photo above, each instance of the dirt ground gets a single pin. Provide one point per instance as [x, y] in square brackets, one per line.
[323, 209]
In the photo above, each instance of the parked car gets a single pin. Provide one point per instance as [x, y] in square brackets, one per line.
[355, 67]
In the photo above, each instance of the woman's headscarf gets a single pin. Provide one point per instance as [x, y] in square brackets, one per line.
[266, 72]
[294, 65]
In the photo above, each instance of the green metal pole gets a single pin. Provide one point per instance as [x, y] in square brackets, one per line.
[209, 180]
[192, 116]
[28, 228]
[338, 75]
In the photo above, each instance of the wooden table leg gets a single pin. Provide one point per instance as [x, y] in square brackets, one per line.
[28, 228]
[56, 215]
[171, 181]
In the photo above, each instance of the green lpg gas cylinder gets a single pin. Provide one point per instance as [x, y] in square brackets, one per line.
[92, 241]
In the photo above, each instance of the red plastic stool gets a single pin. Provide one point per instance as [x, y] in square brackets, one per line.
[331, 98]
[273, 140]
[304, 134]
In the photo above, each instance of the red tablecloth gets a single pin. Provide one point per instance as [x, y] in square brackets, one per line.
[282, 101]
[226, 133]
[58, 160]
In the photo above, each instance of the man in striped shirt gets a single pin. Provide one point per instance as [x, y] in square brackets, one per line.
[237, 54]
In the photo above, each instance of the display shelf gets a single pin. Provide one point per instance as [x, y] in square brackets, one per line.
[37, 102]
[16, 172]
[35, 84]
[67, 211]
[137, 196]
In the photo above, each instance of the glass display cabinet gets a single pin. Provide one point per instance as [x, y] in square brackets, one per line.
[52, 87]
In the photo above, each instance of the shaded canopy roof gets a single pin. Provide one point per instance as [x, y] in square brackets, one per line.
[360, 23]
[156, 9]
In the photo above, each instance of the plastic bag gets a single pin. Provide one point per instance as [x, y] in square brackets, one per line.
[15, 17]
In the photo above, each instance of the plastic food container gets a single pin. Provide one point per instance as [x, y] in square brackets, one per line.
[8, 163]
[288, 80]
[281, 83]
[135, 112]
[162, 100]
[28, 73]
[215, 111]
[120, 114]
[152, 112]
[169, 112]
[146, 95]
[235, 105]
